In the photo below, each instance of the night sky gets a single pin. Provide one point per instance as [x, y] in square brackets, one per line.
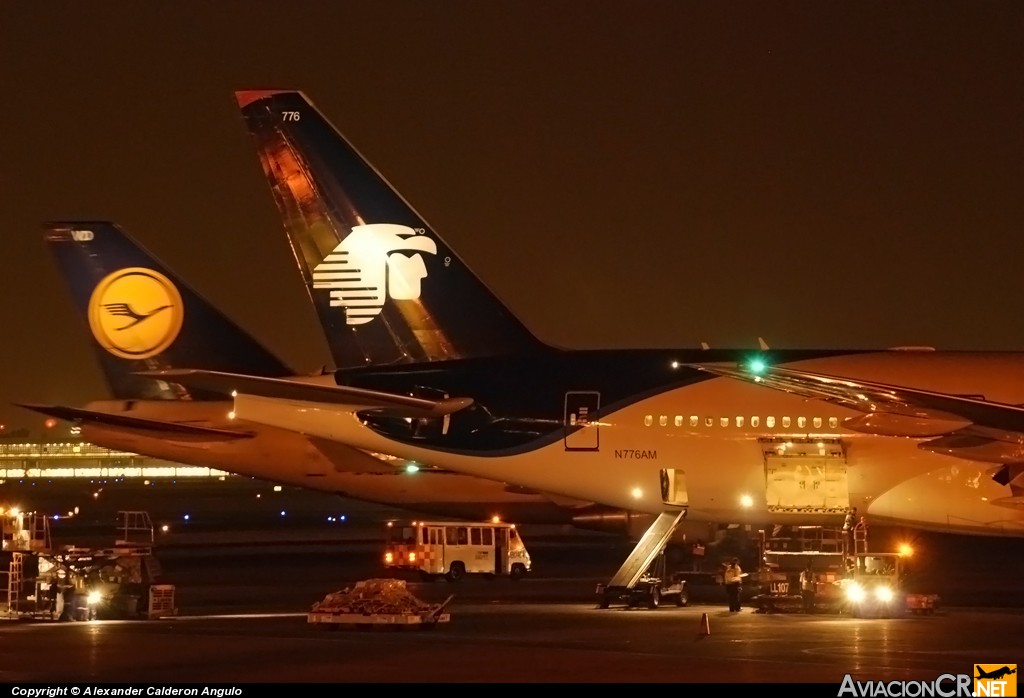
[643, 174]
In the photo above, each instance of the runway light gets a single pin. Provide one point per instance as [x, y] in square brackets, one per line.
[186, 517]
[637, 493]
[675, 364]
[277, 488]
[282, 512]
[906, 550]
[342, 517]
[258, 495]
[747, 501]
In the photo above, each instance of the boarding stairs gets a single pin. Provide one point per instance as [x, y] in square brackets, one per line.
[647, 551]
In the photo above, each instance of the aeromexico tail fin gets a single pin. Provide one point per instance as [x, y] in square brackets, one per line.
[141, 317]
[386, 287]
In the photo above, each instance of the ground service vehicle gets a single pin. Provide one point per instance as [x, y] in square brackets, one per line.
[454, 549]
[858, 583]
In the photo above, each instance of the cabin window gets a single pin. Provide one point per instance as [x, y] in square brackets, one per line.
[474, 536]
[693, 420]
[770, 421]
[679, 420]
[754, 421]
[739, 421]
[709, 421]
[662, 420]
[785, 422]
[817, 422]
[488, 536]
[833, 422]
[801, 422]
[724, 421]
[648, 420]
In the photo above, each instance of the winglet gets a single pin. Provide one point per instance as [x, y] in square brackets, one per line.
[763, 345]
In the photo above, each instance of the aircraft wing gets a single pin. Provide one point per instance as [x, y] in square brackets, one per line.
[176, 430]
[357, 399]
[957, 425]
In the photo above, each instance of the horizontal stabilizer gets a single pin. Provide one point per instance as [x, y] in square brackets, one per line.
[356, 399]
[169, 430]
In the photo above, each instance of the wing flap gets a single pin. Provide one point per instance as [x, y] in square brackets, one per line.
[356, 399]
[947, 413]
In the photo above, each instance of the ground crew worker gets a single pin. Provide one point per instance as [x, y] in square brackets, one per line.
[808, 587]
[698, 555]
[848, 526]
[733, 579]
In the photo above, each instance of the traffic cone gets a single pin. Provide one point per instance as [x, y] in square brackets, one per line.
[705, 626]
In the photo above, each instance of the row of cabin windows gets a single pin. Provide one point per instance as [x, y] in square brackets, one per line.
[755, 421]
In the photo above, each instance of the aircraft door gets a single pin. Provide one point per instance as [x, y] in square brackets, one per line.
[581, 414]
[673, 487]
[500, 550]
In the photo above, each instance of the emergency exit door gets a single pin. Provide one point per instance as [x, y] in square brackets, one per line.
[581, 426]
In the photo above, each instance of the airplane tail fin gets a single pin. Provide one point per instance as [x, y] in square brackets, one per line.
[386, 287]
[141, 317]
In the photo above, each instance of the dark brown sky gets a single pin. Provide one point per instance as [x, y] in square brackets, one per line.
[657, 173]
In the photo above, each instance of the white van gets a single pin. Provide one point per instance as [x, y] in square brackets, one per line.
[457, 548]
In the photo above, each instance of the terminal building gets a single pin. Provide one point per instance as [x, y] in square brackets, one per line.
[82, 488]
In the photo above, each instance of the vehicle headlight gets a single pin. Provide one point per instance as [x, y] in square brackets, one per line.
[388, 558]
[855, 593]
[93, 598]
[884, 594]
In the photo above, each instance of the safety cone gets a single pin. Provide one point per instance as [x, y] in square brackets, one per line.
[705, 626]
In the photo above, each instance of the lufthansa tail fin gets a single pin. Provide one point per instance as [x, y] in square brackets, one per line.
[386, 287]
[141, 317]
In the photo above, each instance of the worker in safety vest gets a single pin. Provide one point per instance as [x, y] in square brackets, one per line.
[733, 579]
[808, 587]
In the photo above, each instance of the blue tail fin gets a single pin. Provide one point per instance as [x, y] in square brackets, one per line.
[387, 289]
[141, 317]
